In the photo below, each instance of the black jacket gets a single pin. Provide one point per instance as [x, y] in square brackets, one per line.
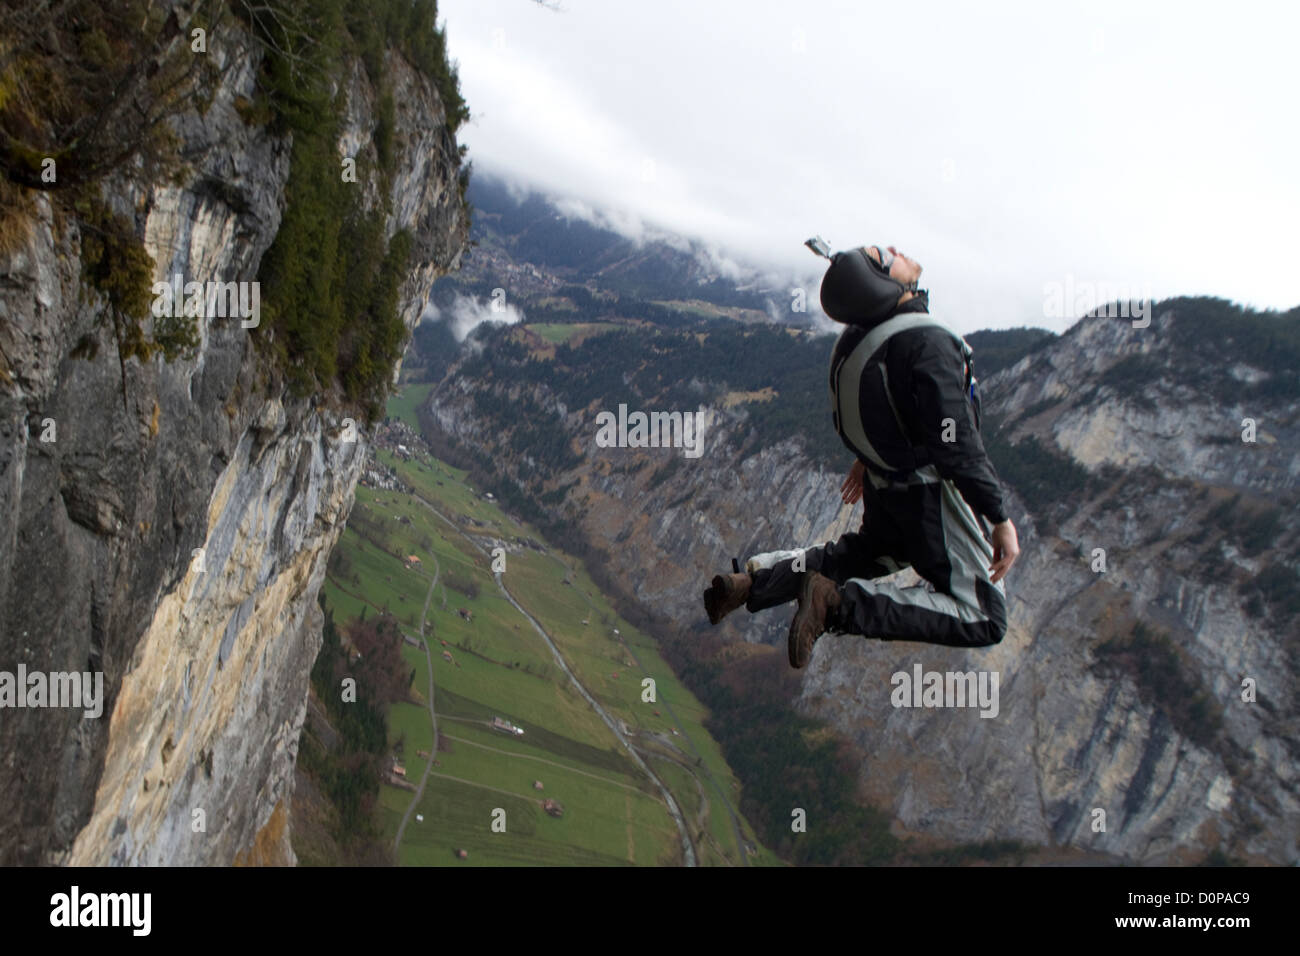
[927, 382]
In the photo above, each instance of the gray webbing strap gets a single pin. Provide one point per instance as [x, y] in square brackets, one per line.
[846, 381]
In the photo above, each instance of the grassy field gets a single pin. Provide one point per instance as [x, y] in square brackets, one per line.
[555, 333]
[403, 405]
[488, 661]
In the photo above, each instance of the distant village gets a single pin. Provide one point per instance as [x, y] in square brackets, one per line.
[399, 439]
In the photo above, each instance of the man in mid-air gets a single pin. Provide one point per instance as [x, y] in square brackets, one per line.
[905, 402]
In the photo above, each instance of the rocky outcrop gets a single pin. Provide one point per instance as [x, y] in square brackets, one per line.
[174, 532]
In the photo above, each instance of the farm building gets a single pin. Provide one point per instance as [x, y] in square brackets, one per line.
[506, 727]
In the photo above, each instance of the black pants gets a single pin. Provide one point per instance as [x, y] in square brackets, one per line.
[926, 525]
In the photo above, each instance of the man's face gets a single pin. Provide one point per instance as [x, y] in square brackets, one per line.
[903, 269]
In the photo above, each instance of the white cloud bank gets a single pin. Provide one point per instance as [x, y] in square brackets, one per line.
[468, 312]
[1004, 145]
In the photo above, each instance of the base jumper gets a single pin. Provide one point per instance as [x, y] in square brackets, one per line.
[904, 400]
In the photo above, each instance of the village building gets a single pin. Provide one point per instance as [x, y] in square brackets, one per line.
[506, 727]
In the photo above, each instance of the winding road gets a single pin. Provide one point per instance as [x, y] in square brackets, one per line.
[667, 705]
[688, 849]
[433, 716]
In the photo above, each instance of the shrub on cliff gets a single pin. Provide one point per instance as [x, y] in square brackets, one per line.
[1150, 657]
[330, 280]
[87, 92]
[349, 771]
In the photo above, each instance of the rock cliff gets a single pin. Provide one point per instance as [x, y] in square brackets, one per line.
[205, 659]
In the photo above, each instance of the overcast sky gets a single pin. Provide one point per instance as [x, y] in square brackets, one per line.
[1149, 147]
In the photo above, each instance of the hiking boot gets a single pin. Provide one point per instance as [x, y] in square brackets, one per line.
[819, 600]
[729, 591]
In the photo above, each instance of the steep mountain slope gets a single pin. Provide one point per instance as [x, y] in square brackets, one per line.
[205, 663]
[558, 264]
[1121, 687]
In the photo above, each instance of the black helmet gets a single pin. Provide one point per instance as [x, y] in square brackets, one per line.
[857, 290]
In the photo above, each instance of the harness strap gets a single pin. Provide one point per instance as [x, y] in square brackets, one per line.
[845, 381]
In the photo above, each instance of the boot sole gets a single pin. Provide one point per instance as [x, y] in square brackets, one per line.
[805, 606]
[715, 597]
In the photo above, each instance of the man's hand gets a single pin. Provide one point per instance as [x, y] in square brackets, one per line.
[1006, 548]
[851, 490]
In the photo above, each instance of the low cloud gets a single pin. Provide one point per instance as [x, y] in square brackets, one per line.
[741, 145]
[468, 312]
[714, 260]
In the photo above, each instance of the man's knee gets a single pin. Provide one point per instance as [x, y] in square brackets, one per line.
[995, 631]
[994, 607]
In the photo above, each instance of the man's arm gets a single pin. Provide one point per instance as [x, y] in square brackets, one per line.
[1006, 548]
[851, 489]
[936, 383]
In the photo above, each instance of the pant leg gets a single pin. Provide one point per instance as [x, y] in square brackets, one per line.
[948, 548]
[874, 550]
